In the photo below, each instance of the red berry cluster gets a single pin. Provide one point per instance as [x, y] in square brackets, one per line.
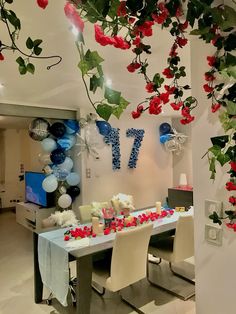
[117, 225]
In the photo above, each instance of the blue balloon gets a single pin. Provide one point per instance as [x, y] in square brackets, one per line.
[165, 128]
[164, 138]
[72, 126]
[104, 127]
[73, 179]
[67, 141]
[58, 156]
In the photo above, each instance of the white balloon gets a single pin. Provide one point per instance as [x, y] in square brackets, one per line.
[64, 201]
[50, 183]
[49, 144]
[67, 164]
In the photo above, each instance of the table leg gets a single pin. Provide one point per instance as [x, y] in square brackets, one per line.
[38, 284]
[84, 288]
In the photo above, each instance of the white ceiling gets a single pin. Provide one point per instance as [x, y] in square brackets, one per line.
[61, 87]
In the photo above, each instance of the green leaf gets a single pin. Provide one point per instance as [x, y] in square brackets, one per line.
[118, 110]
[231, 107]
[112, 96]
[20, 61]
[229, 17]
[104, 111]
[37, 50]
[29, 43]
[37, 42]
[215, 150]
[230, 59]
[223, 159]
[93, 59]
[95, 82]
[22, 69]
[201, 31]
[30, 68]
[84, 67]
[226, 122]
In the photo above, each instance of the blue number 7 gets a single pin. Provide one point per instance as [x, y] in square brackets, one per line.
[138, 134]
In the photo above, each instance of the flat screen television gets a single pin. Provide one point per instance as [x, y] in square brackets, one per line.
[34, 192]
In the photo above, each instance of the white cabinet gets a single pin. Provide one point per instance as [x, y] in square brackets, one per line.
[31, 215]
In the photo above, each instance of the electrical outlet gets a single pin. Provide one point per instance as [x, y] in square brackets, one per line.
[88, 173]
[213, 206]
[213, 234]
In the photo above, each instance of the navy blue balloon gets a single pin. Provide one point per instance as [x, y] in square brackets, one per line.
[57, 129]
[165, 128]
[104, 127]
[73, 191]
[58, 156]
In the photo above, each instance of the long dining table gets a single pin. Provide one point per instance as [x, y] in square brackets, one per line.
[83, 256]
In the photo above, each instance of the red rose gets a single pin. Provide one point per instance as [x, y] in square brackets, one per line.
[94, 235]
[154, 106]
[1, 57]
[232, 200]
[73, 16]
[183, 26]
[211, 60]
[207, 88]
[164, 97]
[135, 115]
[131, 68]
[140, 108]
[137, 41]
[209, 77]
[230, 186]
[181, 41]
[121, 10]
[150, 87]
[233, 165]
[176, 106]
[185, 112]
[42, 3]
[215, 107]
[66, 237]
[168, 73]
[169, 89]
[107, 231]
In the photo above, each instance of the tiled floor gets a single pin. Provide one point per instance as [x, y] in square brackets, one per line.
[16, 282]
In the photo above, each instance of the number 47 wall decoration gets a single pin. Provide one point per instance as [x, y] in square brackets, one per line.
[113, 138]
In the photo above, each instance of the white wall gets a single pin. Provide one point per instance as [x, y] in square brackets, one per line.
[147, 183]
[215, 280]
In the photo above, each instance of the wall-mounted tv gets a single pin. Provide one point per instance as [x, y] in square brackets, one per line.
[34, 192]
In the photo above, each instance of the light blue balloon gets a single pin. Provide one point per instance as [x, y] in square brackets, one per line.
[50, 183]
[67, 164]
[49, 144]
[73, 179]
[61, 174]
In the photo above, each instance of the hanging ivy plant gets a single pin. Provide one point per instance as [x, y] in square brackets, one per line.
[135, 20]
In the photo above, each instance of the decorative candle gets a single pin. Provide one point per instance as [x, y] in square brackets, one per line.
[95, 224]
[100, 228]
[158, 207]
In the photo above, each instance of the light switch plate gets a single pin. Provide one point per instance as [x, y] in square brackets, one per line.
[213, 206]
[213, 234]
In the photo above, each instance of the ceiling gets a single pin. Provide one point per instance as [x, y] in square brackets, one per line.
[61, 87]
